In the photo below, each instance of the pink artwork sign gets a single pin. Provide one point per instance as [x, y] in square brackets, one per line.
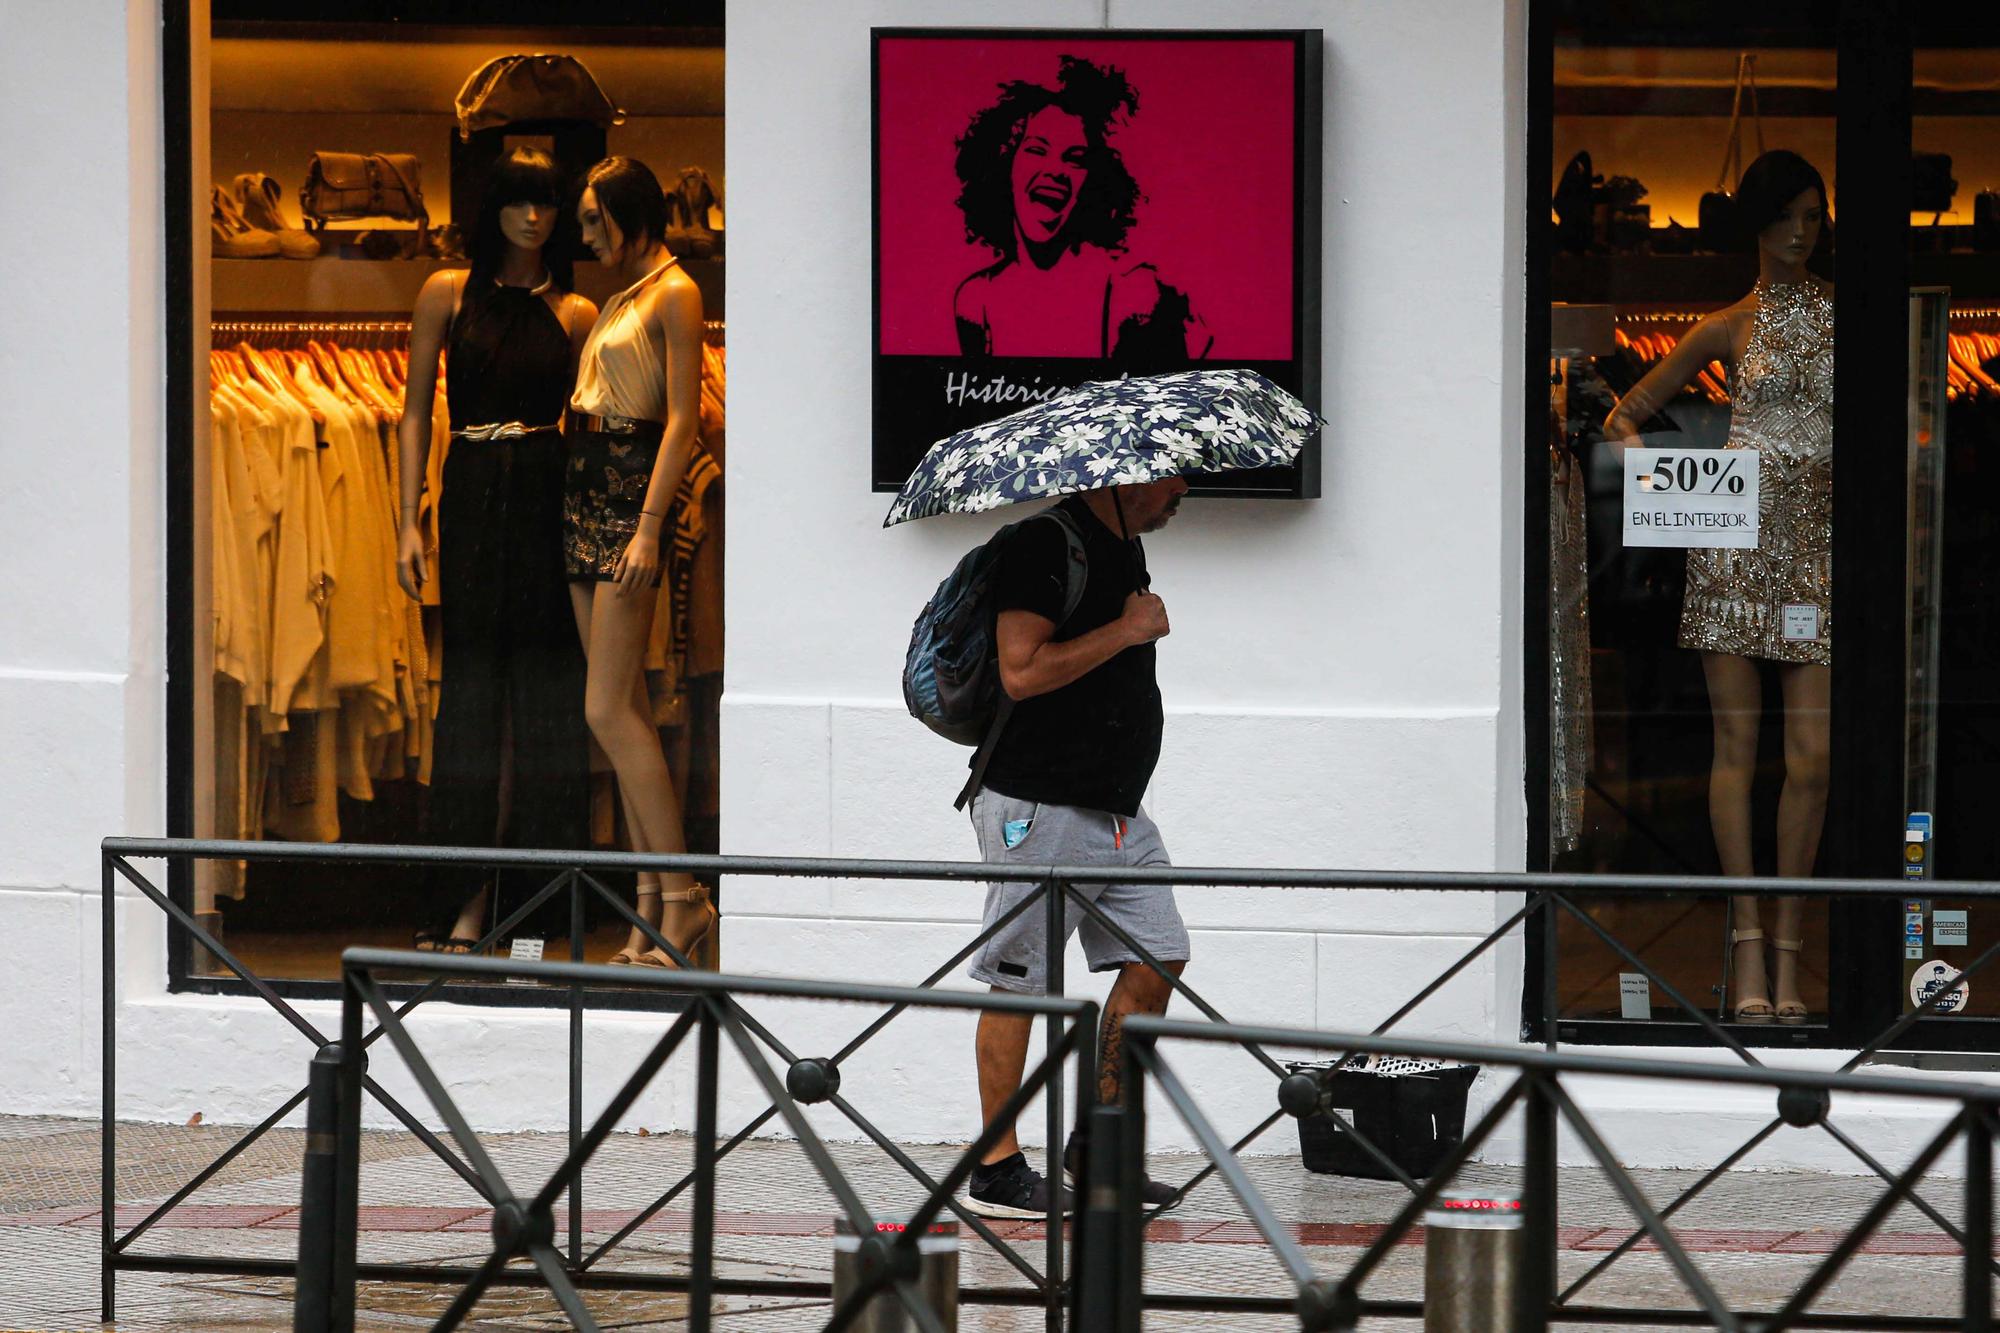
[1059, 207]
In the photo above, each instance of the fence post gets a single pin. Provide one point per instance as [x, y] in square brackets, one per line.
[353, 1065]
[575, 1072]
[319, 1183]
[107, 1164]
[1129, 1259]
[1537, 1287]
[1096, 1254]
[1056, 901]
[701, 1284]
[1977, 1316]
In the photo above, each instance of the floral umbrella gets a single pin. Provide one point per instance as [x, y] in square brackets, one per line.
[1111, 433]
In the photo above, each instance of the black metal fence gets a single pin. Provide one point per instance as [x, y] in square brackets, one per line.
[524, 1226]
[1115, 1218]
[1542, 900]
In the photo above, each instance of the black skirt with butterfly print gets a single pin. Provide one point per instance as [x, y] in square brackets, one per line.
[603, 492]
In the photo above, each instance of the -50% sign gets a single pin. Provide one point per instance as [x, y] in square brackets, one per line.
[1691, 497]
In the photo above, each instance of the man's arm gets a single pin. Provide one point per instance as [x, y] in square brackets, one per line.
[1031, 663]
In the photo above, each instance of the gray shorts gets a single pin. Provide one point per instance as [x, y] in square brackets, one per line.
[1016, 959]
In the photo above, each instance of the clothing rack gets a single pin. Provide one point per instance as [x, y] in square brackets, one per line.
[385, 332]
[1658, 317]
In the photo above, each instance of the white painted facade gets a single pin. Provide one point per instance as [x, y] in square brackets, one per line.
[1343, 683]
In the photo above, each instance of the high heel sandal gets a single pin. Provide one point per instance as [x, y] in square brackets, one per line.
[444, 937]
[690, 947]
[628, 956]
[1790, 1011]
[1751, 1009]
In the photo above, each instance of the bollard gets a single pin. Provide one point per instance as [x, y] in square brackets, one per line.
[312, 1299]
[1473, 1253]
[936, 1278]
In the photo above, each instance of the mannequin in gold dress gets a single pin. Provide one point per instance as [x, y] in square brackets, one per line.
[1775, 602]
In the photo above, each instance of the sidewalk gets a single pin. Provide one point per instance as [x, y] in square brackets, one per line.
[1756, 1235]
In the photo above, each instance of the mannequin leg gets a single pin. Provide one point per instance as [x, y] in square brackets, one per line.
[615, 656]
[1801, 812]
[1736, 703]
[647, 889]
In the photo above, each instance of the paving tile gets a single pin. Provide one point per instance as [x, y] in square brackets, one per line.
[1693, 1240]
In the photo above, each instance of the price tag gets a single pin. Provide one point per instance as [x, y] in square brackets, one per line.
[524, 949]
[1691, 497]
[1635, 995]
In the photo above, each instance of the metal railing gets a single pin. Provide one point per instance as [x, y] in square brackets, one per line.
[1113, 1297]
[1543, 900]
[524, 1226]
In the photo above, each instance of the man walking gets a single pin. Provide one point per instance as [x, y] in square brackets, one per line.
[1063, 787]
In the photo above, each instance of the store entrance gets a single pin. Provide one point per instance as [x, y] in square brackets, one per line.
[1781, 706]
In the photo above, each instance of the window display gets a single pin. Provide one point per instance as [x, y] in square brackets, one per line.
[401, 527]
[1690, 697]
[1690, 658]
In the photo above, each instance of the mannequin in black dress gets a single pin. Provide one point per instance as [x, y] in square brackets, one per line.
[509, 764]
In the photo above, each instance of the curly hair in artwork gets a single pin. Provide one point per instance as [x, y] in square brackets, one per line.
[1099, 96]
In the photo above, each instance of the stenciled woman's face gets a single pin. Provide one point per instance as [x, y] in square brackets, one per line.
[600, 233]
[1050, 166]
[528, 225]
[1791, 238]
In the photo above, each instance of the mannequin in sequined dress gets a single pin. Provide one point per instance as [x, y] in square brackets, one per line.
[1773, 603]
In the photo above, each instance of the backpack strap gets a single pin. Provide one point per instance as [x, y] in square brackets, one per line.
[1076, 570]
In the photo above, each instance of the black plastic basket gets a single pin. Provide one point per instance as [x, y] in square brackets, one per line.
[1415, 1118]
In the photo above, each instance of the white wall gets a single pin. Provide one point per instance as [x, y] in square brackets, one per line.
[81, 651]
[1342, 683]
[1317, 716]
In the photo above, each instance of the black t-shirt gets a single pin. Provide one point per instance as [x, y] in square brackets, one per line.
[1094, 742]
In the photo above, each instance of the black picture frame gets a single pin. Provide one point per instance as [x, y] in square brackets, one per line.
[915, 400]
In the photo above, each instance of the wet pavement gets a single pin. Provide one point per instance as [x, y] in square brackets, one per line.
[1755, 1235]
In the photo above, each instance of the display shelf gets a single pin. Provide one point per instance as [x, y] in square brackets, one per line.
[334, 286]
[1627, 280]
[1650, 279]
[329, 285]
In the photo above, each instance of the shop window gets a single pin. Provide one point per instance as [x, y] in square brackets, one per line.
[1693, 632]
[382, 635]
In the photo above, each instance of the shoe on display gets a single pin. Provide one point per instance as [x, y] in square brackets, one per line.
[232, 237]
[257, 195]
[1012, 1188]
[694, 217]
[1155, 1194]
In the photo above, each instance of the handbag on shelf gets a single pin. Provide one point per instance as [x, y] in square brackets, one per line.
[532, 87]
[1931, 185]
[343, 186]
[1715, 224]
[1986, 220]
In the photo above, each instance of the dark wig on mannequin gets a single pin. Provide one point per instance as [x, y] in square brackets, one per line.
[630, 195]
[1768, 185]
[523, 176]
[1095, 95]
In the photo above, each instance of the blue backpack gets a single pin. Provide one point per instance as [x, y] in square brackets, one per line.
[951, 674]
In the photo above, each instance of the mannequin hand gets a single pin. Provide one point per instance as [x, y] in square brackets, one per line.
[410, 560]
[638, 568]
[1145, 617]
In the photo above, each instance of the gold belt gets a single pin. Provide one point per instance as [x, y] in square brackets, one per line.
[610, 425]
[499, 430]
